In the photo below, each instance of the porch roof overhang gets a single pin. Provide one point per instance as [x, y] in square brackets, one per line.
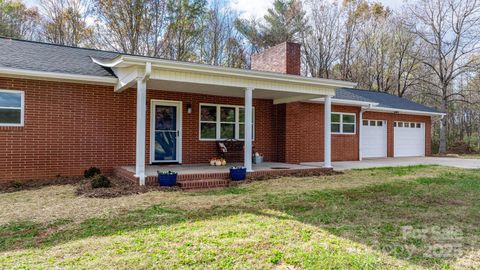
[178, 76]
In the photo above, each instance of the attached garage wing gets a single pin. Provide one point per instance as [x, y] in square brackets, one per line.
[409, 139]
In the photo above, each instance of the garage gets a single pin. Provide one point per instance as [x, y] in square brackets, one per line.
[409, 139]
[374, 138]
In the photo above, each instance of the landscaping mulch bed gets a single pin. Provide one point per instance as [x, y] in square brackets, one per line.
[14, 186]
[119, 187]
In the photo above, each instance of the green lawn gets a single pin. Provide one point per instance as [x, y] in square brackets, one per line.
[474, 156]
[363, 219]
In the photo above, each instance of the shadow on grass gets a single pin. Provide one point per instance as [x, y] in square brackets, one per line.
[372, 215]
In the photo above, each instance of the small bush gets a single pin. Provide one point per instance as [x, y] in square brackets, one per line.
[16, 184]
[100, 181]
[91, 172]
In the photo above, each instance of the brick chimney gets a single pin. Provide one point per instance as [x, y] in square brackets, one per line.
[282, 58]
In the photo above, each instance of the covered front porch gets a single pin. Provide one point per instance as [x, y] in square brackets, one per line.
[175, 80]
[193, 176]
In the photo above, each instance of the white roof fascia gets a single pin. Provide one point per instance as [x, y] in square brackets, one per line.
[402, 111]
[127, 60]
[56, 76]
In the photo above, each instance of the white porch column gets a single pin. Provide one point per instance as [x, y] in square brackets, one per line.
[141, 129]
[248, 129]
[327, 132]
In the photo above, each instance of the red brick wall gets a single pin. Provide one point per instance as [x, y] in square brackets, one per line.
[282, 58]
[70, 127]
[304, 139]
[390, 118]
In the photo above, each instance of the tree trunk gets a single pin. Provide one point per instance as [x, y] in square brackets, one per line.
[443, 130]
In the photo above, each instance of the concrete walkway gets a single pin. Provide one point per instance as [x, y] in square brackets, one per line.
[405, 161]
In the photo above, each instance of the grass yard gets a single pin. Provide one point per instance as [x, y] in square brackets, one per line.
[474, 156]
[410, 217]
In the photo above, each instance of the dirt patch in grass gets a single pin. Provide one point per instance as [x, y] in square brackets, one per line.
[119, 187]
[14, 186]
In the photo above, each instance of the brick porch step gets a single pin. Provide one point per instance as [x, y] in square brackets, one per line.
[203, 184]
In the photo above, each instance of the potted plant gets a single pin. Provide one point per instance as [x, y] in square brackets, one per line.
[257, 158]
[238, 173]
[167, 179]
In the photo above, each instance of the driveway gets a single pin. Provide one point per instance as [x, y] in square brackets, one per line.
[404, 161]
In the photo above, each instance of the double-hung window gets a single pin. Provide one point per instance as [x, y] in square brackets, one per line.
[223, 122]
[11, 108]
[343, 123]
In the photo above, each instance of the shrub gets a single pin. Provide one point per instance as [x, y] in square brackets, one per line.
[100, 181]
[91, 172]
[16, 184]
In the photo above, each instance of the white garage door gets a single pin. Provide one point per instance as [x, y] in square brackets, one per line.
[409, 139]
[374, 138]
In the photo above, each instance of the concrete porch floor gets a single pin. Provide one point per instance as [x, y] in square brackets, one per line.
[151, 170]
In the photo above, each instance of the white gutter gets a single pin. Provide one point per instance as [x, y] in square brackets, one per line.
[56, 76]
[126, 60]
[402, 111]
[344, 102]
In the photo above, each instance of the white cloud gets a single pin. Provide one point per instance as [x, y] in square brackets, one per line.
[251, 8]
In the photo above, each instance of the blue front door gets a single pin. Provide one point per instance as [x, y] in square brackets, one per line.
[166, 132]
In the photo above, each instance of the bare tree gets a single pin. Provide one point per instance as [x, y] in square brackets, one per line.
[154, 27]
[218, 32]
[120, 24]
[184, 29]
[65, 22]
[18, 21]
[321, 45]
[407, 59]
[449, 29]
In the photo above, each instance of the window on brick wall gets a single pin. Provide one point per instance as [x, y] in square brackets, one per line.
[343, 123]
[11, 108]
[223, 122]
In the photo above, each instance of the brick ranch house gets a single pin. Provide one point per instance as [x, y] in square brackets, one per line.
[64, 109]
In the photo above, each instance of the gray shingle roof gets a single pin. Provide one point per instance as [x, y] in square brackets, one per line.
[38, 56]
[383, 99]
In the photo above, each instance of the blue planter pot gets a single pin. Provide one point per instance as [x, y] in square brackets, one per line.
[238, 174]
[167, 180]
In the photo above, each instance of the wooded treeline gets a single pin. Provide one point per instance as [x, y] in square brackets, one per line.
[427, 51]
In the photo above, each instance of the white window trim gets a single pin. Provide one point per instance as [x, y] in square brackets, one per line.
[341, 123]
[22, 108]
[218, 121]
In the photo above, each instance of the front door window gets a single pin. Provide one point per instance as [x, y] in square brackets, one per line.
[166, 133]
